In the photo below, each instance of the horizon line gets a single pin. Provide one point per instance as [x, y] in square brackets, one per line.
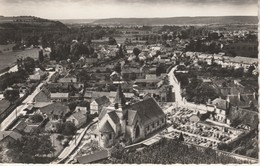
[129, 17]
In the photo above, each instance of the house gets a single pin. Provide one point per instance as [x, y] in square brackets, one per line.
[244, 62]
[55, 111]
[147, 83]
[78, 119]
[24, 127]
[95, 157]
[59, 97]
[7, 137]
[67, 80]
[29, 109]
[132, 122]
[97, 105]
[37, 76]
[92, 95]
[221, 109]
[132, 73]
[43, 96]
[83, 110]
[245, 101]
[4, 104]
[20, 126]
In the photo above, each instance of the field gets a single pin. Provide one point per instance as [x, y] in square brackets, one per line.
[9, 58]
[6, 48]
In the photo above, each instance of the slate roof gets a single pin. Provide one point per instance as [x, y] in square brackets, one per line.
[12, 134]
[79, 116]
[93, 157]
[147, 80]
[55, 109]
[83, 110]
[113, 116]
[42, 94]
[20, 126]
[102, 100]
[41, 104]
[220, 103]
[106, 128]
[67, 80]
[130, 70]
[148, 110]
[60, 95]
[4, 104]
[102, 113]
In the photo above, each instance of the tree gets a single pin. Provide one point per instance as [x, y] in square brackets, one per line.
[136, 52]
[40, 57]
[72, 106]
[30, 147]
[11, 95]
[37, 118]
[111, 41]
[117, 68]
[181, 138]
[69, 128]
[29, 64]
[60, 137]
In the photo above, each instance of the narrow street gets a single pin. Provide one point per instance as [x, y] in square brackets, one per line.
[73, 144]
[20, 109]
[176, 87]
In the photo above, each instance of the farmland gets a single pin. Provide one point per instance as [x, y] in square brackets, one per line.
[9, 58]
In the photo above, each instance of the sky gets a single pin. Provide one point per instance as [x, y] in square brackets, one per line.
[94, 9]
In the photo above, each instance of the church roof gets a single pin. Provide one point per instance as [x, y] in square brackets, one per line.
[102, 113]
[131, 116]
[106, 128]
[114, 116]
[148, 110]
[102, 100]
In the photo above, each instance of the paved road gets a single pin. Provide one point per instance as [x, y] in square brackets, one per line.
[20, 109]
[176, 86]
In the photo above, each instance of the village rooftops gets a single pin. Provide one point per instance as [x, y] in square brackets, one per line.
[83, 110]
[79, 116]
[245, 60]
[147, 80]
[60, 95]
[55, 109]
[68, 80]
[102, 100]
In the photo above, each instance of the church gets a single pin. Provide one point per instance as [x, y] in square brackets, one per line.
[133, 122]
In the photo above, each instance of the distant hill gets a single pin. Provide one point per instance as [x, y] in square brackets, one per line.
[77, 21]
[29, 23]
[180, 20]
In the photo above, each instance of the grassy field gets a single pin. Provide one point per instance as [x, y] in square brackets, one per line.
[9, 58]
[6, 48]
